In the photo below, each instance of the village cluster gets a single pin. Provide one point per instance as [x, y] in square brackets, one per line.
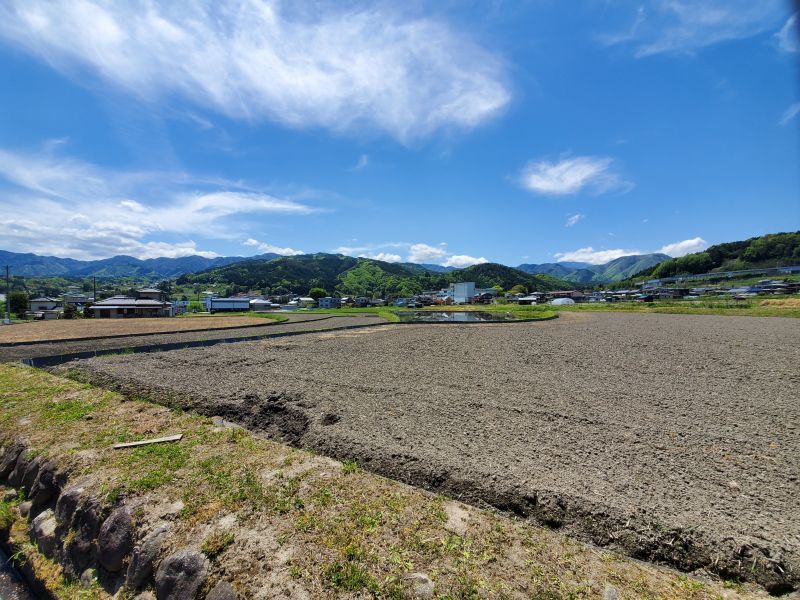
[153, 302]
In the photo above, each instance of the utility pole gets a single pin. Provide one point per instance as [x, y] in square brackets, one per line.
[94, 289]
[7, 320]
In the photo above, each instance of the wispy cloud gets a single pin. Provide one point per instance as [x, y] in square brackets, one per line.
[64, 206]
[600, 257]
[786, 38]
[790, 113]
[571, 175]
[685, 26]
[684, 247]
[265, 247]
[363, 162]
[573, 220]
[301, 65]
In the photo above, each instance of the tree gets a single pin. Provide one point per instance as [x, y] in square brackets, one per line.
[165, 286]
[317, 293]
[518, 289]
[19, 303]
[70, 312]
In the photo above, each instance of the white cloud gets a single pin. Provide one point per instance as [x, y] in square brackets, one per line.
[592, 256]
[573, 219]
[68, 207]
[600, 257]
[265, 247]
[572, 175]
[786, 38]
[416, 253]
[461, 261]
[675, 249]
[301, 65]
[790, 113]
[685, 26]
[362, 163]
[424, 253]
[387, 257]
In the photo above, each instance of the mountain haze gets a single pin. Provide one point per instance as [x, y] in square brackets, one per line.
[33, 265]
[588, 274]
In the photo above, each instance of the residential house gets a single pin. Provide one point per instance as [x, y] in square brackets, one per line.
[306, 302]
[152, 294]
[329, 302]
[123, 307]
[262, 305]
[43, 303]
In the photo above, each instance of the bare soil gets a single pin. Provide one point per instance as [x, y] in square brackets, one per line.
[276, 522]
[674, 438]
[297, 322]
[70, 329]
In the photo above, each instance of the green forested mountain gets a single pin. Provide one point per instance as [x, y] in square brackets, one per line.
[116, 267]
[585, 273]
[771, 250]
[358, 276]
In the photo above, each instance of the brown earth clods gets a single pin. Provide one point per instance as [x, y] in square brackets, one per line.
[672, 438]
[69, 329]
[296, 322]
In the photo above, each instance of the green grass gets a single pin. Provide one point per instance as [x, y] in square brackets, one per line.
[7, 515]
[66, 411]
[751, 307]
[390, 312]
[387, 312]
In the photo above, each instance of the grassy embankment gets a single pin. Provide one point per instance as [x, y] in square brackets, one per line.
[280, 318]
[778, 306]
[337, 530]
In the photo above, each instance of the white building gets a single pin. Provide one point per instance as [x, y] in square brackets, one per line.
[328, 302]
[227, 304]
[463, 292]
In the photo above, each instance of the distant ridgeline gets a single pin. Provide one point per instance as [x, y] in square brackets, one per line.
[588, 274]
[116, 267]
[361, 276]
[771, 250]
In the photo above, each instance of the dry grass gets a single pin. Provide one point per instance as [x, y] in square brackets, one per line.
[782, 303]
[283, 522]
[70, 329]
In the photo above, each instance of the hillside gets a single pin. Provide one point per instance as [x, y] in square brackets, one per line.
[34, 265]
[358, 276]
[771, 250]
[585, 273]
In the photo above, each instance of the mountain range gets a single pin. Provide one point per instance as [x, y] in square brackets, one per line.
[358, 276]
[589, 274]
[34, 265]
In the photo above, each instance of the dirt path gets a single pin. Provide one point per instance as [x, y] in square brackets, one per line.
[297, 322]
[85, 329]
[674, 438]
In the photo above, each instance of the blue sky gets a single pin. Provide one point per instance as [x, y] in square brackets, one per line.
[449, 133]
